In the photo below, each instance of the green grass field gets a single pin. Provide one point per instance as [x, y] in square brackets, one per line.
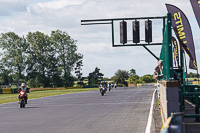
[6, 98]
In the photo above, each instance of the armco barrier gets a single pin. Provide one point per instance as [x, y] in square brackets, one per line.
[195, 83]
[90, 87]
[6, 91]
[131, 85]
[78, 87]
[43, 89]
[174, 124]
[139, 84]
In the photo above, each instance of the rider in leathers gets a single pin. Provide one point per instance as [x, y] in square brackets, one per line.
[24, 88]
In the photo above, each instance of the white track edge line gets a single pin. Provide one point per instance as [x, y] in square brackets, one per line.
[148, 127]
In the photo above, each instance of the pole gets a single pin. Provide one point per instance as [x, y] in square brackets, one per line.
[185, 67]
[112, 26]
[151, 53]
[198, 76]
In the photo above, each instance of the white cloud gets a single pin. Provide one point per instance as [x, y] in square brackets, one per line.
[57, 4]
[10, 7]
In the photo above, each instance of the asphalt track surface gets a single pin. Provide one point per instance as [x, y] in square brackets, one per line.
[123, 110]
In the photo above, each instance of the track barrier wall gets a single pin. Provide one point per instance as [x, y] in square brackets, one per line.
[15, 90]
[6, 91]
[169, 98]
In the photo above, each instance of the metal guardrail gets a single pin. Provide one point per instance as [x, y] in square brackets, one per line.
[8, 90]
[192, 94]
[166, 124]
[174, 124]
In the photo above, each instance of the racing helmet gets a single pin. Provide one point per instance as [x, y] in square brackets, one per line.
[23, 84]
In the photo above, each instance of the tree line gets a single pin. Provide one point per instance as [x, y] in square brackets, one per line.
[39, 59]
[130, 77]
[120, 77]
[192, 75]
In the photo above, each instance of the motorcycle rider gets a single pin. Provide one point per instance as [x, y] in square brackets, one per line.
[105, 85]
[115, 85]
[112, 85]
[100, 86]
[24, 88]
[109, 86]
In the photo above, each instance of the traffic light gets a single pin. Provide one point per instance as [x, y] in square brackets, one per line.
[136, 31]
[148, 31]
[123, 32]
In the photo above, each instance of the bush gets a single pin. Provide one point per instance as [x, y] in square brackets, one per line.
[34, 82]
[147, 78]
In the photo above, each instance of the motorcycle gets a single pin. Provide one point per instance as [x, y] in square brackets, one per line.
[112, 86]
[115, 85]
[22, 102]
[109, 86]
[102, 91]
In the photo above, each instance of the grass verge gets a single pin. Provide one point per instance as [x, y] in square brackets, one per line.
[6, 98]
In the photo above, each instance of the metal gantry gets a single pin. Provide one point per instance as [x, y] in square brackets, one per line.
[166, 55]
[111, 22]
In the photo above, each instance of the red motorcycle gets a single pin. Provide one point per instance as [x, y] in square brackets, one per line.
[22, 102]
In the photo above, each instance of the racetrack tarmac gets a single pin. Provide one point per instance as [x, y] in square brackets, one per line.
[123, 110]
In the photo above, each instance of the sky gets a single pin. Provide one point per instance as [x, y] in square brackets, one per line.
[94, 42]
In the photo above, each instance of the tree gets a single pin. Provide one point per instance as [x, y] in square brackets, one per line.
[13, 52]
[95, 77]
[192, 75]
[106, 79]
[133, 78]
[132, 72]
[4, 76]
[67, 55]
[46, 60]
[147, 78]
[38, 56]
[34, 82]
[78, 69]
[121, 76]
